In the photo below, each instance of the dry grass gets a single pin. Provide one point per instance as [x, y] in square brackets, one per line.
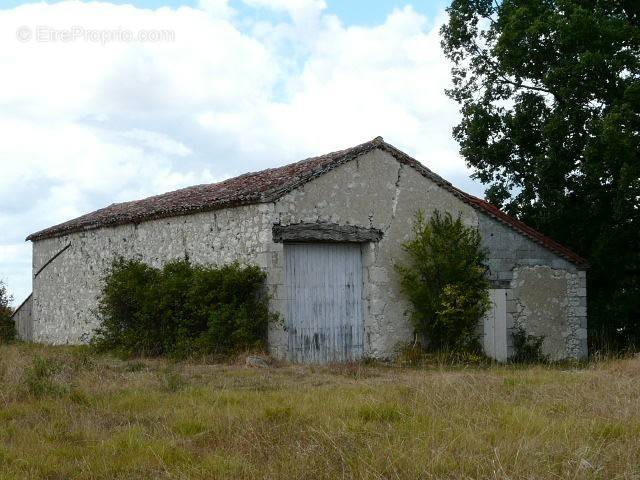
[77, 416]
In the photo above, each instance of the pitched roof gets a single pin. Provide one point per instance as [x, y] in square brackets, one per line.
[269, 185]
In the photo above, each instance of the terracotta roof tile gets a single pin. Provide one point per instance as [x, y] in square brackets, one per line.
[526, 230]
[269, 185]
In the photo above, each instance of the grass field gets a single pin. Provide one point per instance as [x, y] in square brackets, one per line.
[66, 414]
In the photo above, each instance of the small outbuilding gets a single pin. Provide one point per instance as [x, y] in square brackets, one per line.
[328, 231]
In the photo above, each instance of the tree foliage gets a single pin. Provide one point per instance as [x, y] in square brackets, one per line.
[182, 309]
[445, 282]
[550, 100]
[7, 326]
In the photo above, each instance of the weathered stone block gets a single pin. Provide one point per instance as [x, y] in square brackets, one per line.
[505, 275]
[378, 275]
[580, 311]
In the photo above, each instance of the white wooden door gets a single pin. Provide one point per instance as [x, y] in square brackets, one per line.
[324, 307]
[495, 326]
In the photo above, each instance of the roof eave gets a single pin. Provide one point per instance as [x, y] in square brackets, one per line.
[349, 154]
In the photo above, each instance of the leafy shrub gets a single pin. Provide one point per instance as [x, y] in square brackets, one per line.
[445, 282]
[7, 325]
[527, 348]
[182, 309]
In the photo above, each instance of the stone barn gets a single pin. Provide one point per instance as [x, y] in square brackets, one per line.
[328, 231]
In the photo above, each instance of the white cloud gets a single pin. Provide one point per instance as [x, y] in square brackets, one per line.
[298, 10]
[217, 8]
[87, 123]
[158, 142]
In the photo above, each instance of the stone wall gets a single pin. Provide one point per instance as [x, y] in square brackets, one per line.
[373, 191]
[66, 291]
[546, 295]
[24, 320]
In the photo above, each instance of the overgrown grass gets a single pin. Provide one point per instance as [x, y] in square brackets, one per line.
[67, 414]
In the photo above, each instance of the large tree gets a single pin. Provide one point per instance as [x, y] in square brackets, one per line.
[550, 100]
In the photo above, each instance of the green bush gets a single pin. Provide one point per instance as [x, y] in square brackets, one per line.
[527, 348]
[445, 282]
[182, 309]
[7, 325]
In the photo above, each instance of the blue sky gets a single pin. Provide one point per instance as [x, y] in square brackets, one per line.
[241, 85]
[351, 12]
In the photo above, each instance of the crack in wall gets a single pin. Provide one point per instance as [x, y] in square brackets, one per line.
[396, 195]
